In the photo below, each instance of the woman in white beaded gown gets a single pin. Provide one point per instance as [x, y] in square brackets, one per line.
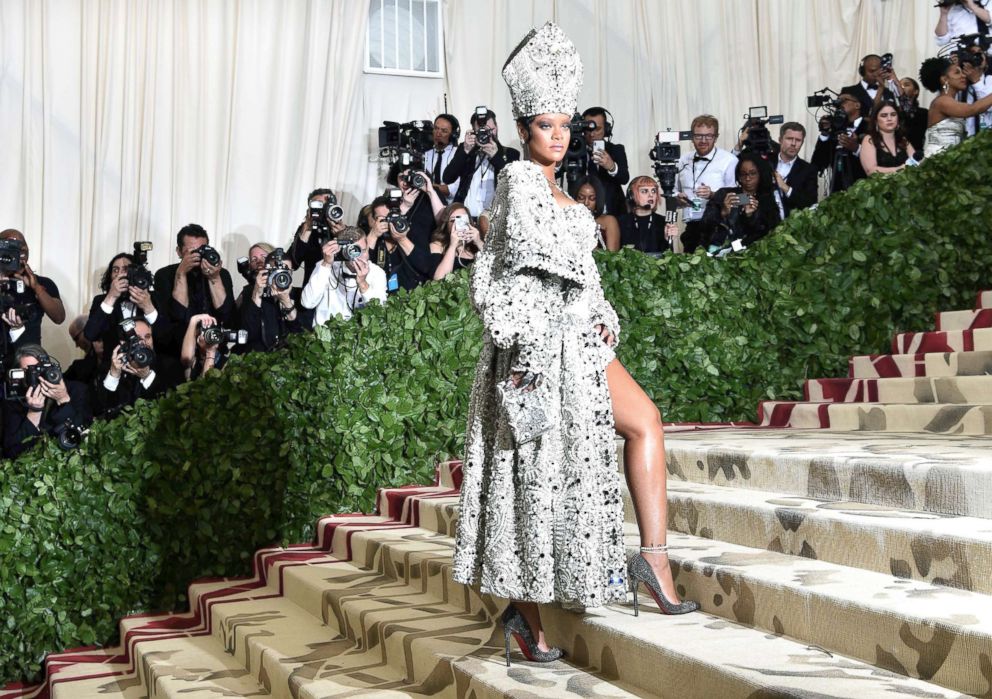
[946, 117]
[541, 519]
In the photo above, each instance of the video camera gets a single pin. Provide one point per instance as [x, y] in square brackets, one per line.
[138, 274]
[757, 138]
[829, 110]
[135, 351]
[322, 214]
[964, 44]
[666, 154]
[577, 154]
[10, 256]
[411, 137]
[395, 218]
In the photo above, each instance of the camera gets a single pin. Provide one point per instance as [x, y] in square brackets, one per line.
[135, 351]
[20, 380]
[349, 250]
[758, 140]
[280, 278]
[416, 136]
[829, 112]
[70, 435]
[10, 256]
[244, 269]
[209, 254]
[395, 218]
[886, 62]
[138, 274]
[216, 335]
[10, 289]
[483, 134]
[414, 180]
[666, 154]
[963, 49]
[576, 162]
[322, 214]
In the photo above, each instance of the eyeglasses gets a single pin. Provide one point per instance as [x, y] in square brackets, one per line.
[704, 137]
[748, 173]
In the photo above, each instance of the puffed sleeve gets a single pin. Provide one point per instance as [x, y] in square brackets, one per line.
[526, 317]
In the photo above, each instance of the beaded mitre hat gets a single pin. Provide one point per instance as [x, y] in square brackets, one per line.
[544, 73]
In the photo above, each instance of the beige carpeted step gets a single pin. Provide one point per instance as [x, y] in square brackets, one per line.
[958, 419]
[984, 299]
[951, 389]
[975, 340]
[943, 474]
[936, 364]
[954, 551]
[964, 320]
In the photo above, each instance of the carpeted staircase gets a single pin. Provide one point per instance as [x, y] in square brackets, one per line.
[828, 564]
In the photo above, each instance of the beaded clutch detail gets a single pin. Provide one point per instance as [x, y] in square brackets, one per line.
[527, 407]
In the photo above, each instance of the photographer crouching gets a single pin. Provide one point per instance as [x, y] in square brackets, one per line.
[136, 371]
[267, 311]
[345, 280]
[207, 346]
[40, 401]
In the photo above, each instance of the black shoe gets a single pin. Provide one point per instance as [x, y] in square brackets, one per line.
[640, 571]
[514, 624]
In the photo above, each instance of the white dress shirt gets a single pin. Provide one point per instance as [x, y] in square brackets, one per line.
[981, 89]
[960, 21]
[333, 291]
[111, 382]
[872, 91]
[482, 188]
[430, 156]
[715, 171]
[128, 310]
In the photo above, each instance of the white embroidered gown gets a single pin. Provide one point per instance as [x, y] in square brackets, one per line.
[543, 521]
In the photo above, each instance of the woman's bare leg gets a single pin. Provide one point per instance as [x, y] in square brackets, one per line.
[638, 421]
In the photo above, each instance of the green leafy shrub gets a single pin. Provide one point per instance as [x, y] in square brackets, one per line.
[193, 484]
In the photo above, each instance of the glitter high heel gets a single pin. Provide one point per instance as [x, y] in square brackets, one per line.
[640, 571]
[515, 625]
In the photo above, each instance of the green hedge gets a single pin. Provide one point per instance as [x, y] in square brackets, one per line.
[193, 484]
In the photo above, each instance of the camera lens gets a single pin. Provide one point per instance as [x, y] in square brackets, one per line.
[281, 279]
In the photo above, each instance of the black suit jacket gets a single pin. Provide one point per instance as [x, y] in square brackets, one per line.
[100, 326]
[847, 167]
[864, 98]
[463, 165]
[168, 374]
[802, 180]
[174, 317]
[19, 433]
[615, 200]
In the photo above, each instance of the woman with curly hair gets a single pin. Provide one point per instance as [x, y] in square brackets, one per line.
[947, 115]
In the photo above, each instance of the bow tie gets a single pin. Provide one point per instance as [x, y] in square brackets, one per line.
[697, 158]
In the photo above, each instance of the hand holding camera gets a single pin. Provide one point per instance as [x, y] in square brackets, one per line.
[56, 391]
[142, 299]
[11, 318]
[361, 269]
[26, 274]
[489, 148]
[330, 250]
[189, 262]
[118, 290]
[729, 203]
[470, 142]
[210, 262]
[603, 159]
[848, 143]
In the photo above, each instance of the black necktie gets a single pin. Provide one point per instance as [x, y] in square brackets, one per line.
[437, 166]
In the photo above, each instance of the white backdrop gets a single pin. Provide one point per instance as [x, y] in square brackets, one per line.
[122, 120]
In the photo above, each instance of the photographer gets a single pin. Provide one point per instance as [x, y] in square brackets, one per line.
[974, 62]
[589, 192]
[477, 164]
[961, 17]
[885, 148]
[44, 407]
[40, 296]
[407, 265]
[795, 178]
[608, 162]
[343, 282]
[871, 88]
[838, 151]
[85, 369]
[701, 173]
[914, 116]
[455, 242]
[744, 213]
[135, 372]
[197, 284]
[641, 227]
[201, 353]
[119, 301]
[267, 312]
[305, 248]
[436, 159]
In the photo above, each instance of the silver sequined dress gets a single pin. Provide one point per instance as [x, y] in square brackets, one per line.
[543, 521]
[943, 135]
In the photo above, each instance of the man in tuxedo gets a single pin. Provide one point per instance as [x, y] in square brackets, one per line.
[701, 173]
[866, 91]
[438, 157]
[796, 178]
[609, 163]
[477, 164]
[838, 152]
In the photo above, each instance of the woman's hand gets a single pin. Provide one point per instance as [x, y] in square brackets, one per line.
[751, 206]
[729, 202]
[604, 332]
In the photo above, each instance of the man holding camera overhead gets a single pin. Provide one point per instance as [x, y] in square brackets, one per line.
[29, 296]
[962, 17]
[198, 283]
[345, 280]
[477, 164]
[39, 400]
[266, 309]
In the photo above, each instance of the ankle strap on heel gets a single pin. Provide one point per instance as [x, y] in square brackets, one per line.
[655, 549]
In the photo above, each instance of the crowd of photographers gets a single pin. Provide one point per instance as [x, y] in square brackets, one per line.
[146, 333]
